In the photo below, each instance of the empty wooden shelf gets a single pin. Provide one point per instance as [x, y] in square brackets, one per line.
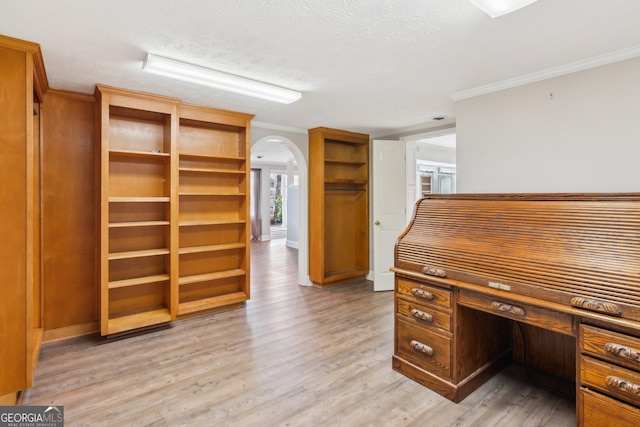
[338, 206]
[138, 215]
[174, 209]
[213, 163]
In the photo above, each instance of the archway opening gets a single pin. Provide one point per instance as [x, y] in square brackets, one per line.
[278, 159]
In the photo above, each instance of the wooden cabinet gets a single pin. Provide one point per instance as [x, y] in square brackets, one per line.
[214, 209]
[174, 209]
[22, 86]
[338, 205]
[423, 326]
[432, 343]
[609, 376]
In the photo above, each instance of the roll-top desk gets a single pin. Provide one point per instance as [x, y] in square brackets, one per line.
[468, 265]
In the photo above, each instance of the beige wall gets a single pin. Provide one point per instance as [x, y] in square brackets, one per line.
[575, 133]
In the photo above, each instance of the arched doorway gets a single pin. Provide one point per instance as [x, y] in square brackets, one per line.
[260, 150]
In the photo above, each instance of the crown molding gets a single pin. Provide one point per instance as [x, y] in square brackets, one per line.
[597, 61]
[263, 125]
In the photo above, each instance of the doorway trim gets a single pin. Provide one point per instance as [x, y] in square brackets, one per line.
[411, 142]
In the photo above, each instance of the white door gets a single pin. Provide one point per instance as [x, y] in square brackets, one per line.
[389, 220]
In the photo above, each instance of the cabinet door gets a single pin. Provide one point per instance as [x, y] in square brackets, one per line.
[20, 334]
[13, 220]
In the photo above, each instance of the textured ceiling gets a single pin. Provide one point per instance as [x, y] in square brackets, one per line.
[373, 66]
[271, 151]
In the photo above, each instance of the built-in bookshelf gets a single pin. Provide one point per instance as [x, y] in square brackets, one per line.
[214, 209]
[174, 209]
[338, 205]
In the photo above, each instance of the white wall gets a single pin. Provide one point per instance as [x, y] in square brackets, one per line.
[301, 140]
[434, 153]
[575, 133]
[293, 211]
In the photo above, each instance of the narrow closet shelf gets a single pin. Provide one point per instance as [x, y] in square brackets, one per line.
[138, 320]
[139, 199]
[135, 153]
[211, 303]
[137, 224]
[345, 181]
[212, 171]
[210, 248]
[346, 162]
[212, 157]
[348, 189]
[211, 194]
[210, 276]
[138, 281]
[138, 254]
[346, 273]
[196, 223]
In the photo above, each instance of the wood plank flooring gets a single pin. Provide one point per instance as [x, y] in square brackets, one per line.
[294, 356]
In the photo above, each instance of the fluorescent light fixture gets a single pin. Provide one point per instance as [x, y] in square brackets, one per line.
[495, 8]
[207, 77]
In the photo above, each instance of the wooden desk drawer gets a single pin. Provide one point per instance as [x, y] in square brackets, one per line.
[613, 380]
[424, 293]
[423, 314]
[617, 348]
[602, 411]
[424, 348]
[531, 314]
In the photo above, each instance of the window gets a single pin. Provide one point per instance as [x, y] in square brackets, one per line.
[434, 179]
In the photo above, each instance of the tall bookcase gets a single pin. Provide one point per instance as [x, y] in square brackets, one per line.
[338, 206]
[138, 216]
[214, 209]
[174, 209]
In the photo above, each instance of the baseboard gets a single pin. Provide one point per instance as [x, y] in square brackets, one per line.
[292, 244]
[70, 331]
[8, 399]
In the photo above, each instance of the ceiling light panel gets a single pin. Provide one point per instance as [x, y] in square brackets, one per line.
[495, 8]
[216, 79]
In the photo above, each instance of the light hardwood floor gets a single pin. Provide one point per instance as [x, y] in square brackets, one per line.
[294, 356]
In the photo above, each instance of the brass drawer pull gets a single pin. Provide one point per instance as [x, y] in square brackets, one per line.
[508, 308]
[422, 293]
[418, 314]
[432, 271]
[593, 305]
[623, 385]
[423, 348]
[622, 351]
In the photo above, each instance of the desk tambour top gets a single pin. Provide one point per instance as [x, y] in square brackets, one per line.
[580, 252]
